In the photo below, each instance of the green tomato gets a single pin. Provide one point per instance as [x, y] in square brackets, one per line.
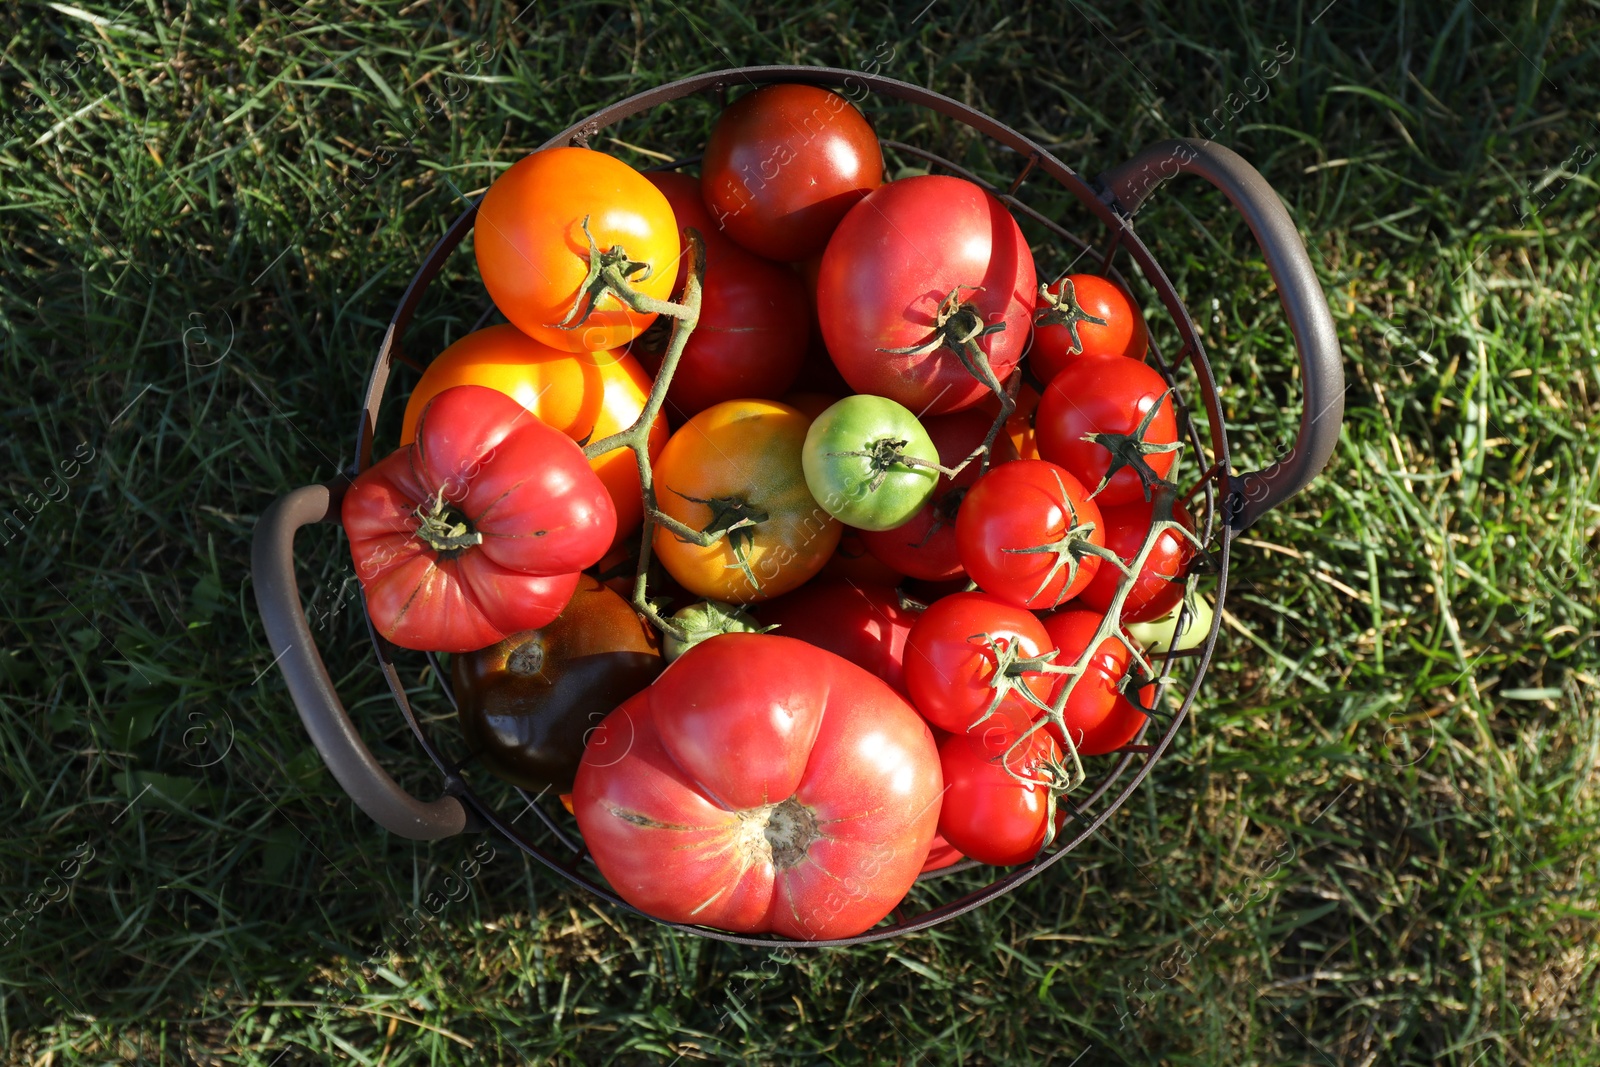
[705, 619]
[855, 462]
[1157, 634]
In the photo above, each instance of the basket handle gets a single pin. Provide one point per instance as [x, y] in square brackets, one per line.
[1253, 494]
[278, 597]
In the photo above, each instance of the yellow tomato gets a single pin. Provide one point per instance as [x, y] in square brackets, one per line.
[742, 458]
[585, 395]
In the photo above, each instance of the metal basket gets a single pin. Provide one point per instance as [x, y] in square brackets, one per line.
[1224, 503]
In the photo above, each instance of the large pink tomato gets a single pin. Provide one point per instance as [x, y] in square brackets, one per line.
[761, 785]
[918, 259]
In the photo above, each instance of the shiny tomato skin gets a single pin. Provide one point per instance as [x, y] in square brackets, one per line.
[949, 666]
[746, 451]
[1019, 506]
[1096, 693]
[863, 623]
[925, 546]
[1159, 585]
[987, 814]
[1105, 394]
[941, 854]
[585, 395]
[533, 255]
[689, 210]
[521, 487]
[784, 164]
[526, 703]
[853, 487]
[892, 262]
[1124, 332]
[761, 785]
[1118, 728]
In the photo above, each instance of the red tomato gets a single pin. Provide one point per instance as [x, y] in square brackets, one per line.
[1062, 335]
[952, 654]
[885, 278]
[1107, 395]
[941, 854]
[784, 164]
[863, 623]
[925, 547]
[1019, 507]
[851, 561]
[761, 784]
[1096, 692]
[683, 194]
[478, 529]
[988, 814]
[1159, 584]
[1118, 728]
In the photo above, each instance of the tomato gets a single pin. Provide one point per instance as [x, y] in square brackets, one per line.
[689, 211]
[1096, 693]
[1066, 333]
[735, 461]
[533, 254]
[925, 545]
[784, 164]
[477, 529]
[941, 854]
[526, 703]
[753, 330]
[1108, 395]
[1158, 635]
[1025, 531]
[987, 814]
[860, 464]
[863, 623]
[1159, 585]
[953, 653]
[585, 395]
[1118, 728]
[887, 279]
[703, 620]
[761, 785]
[853, 562]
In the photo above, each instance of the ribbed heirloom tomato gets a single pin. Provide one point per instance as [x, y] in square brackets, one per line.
[585, 395]
[761, 784]
[533, 254]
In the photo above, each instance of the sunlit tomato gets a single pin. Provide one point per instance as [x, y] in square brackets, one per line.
[1069, 331]
[477, 529]
[1095, 693]
[736, 461]
[869, 462]
[1120, 727]
[987, 814]
[1108, 395]
[526, 703]
[784, 164]
[925, 546]
[533, 254]
[761, 784]
[585, 395]
[1159, 584]
[1020, 532]
[863, 623]
[888, 276]
[851, 561]
[753, 330]
[952, 655]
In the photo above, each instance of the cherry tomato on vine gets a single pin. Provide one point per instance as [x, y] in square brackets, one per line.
[925, 546]
[917, 263]
[1022, 534]
[1110, 396]
[1119, 727]
[784, 164]
[1095, 694]
[1065, 328]
[966, 647]
[585, 395]
[533, 254]
[866, 462]
[736, 467]
[863, 623]
[988, 814]
[1158, 587]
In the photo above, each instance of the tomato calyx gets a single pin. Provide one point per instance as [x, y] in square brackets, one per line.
[445, 530]
[609, 272]
[1063, 309]
[887, 453]
[1069, 550]
[733, 518]
[786, 831]
[1010, 665]
[1130, 449]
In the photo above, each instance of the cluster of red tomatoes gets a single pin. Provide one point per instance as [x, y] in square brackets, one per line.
[802, 398]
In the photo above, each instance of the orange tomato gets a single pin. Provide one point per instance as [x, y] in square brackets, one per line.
[533, 254]
[742, 457]
[585, 395]
[1019, 427]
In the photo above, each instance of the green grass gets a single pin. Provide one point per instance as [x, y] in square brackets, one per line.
[1376, 842]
